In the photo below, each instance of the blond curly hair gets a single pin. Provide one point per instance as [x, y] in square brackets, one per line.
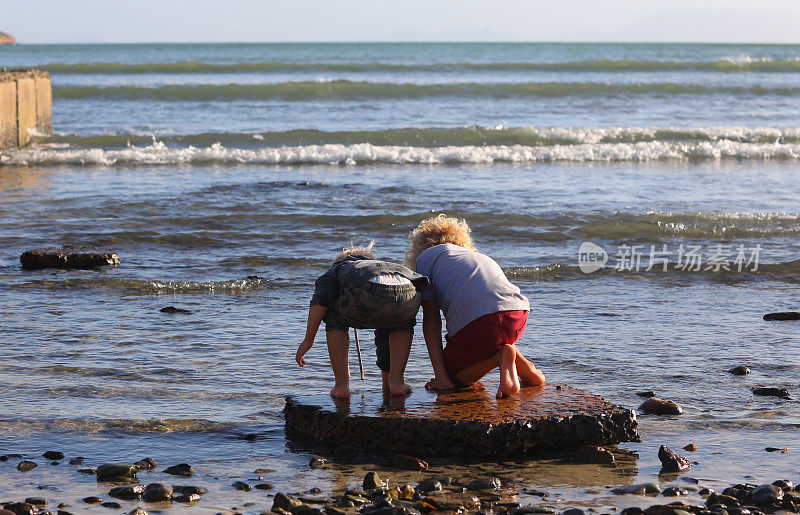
[362, 250]
[436, 231]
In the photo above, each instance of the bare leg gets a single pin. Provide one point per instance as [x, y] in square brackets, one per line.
[509, 383]
[385, 379]
[530, 375]
[338, 346]
[399, 349]
[474, 372]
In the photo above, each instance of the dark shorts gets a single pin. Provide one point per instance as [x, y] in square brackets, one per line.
[384, 307]
[481, 339]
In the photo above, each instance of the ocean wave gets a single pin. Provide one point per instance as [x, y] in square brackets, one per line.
[747, 65]
[440, 136]
[344, 90]
[366, 153]
[97, 425]
[160, 287]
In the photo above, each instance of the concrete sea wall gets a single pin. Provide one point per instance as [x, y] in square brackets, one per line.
[26, 106]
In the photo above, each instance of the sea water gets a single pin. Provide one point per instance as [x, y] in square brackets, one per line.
[227, 176]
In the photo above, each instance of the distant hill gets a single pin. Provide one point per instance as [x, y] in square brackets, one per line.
[7, 39]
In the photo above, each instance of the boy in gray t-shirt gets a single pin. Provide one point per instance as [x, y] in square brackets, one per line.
[485, 314]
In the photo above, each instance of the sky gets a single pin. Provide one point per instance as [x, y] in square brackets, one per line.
[123, 21]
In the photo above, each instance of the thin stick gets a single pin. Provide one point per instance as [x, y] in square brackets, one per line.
[358, 349]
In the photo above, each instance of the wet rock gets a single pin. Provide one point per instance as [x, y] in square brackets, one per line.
[573, 511]
[90, 472]
[116, 472]
[453, 503]
[671, 462]
[127, 492]
[241, 486]
[786, 315]
[157, 492]
[784, 484]
[188, 490]
[485, 483]
[53, 455]
[174, 310]
[430, 484]
[264, 486]
[111, 505]
[395, 510]
[782, 393]
[632, 511]
[776, 449]
[594, 454]
[22, 508]
[146, 464]
[36, 501]
[647, 394]
[138, 511]
[739, 370]
[182, 470]
[656, 406]
[25, 465]
[725, 500]
[691, 447]
[674, 491]
[92, 499]
[372, 481]
[530, 508]
[316, 462]
[55, 463]
[77, 461]
[705, 492]
[401, 461]
[82, 258]
[767, 495]
[285, 502]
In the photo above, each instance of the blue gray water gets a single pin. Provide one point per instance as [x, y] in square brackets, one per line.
[228, 176]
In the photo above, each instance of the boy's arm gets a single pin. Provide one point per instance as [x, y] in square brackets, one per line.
[315, 315]
[432, 331]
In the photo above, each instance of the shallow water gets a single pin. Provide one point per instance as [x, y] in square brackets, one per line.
[89, 366]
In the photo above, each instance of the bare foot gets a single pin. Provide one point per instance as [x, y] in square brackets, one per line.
[399, 389]
[528, 373]
[340, 392]
[509, 383]
[439, 383]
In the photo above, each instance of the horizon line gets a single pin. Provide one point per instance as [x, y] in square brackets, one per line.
[427, 42]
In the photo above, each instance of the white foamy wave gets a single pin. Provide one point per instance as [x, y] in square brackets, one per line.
[363, 153]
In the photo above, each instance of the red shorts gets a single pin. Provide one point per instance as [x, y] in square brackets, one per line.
[481, 339]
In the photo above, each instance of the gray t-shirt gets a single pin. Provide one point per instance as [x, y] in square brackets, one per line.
[466, 284]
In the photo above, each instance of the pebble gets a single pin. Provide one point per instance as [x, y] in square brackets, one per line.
[36, 501]
[146, 464]
[53, 455]
[182, 469]
[776, 449]
[21, 508]
[784, 484]
[173, 309]
[186, 498]
[138, 511]
[647, 394]
[110, 472]
[372, 481]
[92, 500]
[674, 491]
[430, 484]
[264, 486]
[157, 492]
[285, 502]
[316, 462]
[573, 511]
[656, 406]
[782, 393]
[767, 495]
[25, 465]
[77, 461]
[111, 505]
[691, 447]
[740, 370]
[188, 490]
[241, 486]
[786, 315]
[638, 489]
[705, 492]
[90, 472]
[671, 462]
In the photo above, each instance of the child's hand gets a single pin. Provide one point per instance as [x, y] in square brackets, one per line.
[301, 351]
[440, 383]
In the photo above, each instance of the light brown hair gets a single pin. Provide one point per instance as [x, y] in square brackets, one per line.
[362, 250]
[436, 231]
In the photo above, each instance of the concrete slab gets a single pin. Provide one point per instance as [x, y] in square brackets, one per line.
[26, 108]
[544, 419]
[44, 104]
[8, 114]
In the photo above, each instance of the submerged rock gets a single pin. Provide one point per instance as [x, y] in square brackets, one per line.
[671, 462]
[241, 486]
[53, 455]
[647, 394]
[69, 257]
[188, 490]
[594, 454]
[25, 465]
[77, 460]
[116, 472]
[92, 499]
[783, 393]
[638, 489]
[739, 371]
[776, 449]
[127, 493]
[173, 309]
[656, 406]
[182, 469]
[786, 315]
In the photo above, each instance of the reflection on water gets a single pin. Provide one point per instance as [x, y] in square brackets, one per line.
[18, 182]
